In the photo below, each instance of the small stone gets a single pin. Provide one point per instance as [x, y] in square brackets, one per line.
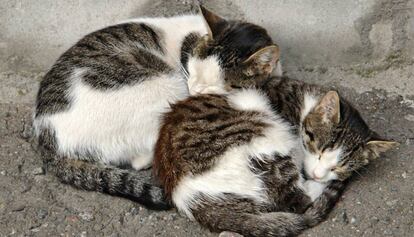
[18, 207]
[344, 217]
[86, 216]
[42, 213]
[353, 220]
[72, 218]
[404, 175]
[134, 211]
[27, 131]
[83, 234]
[38, 171]
[391, 203]
[3, 172]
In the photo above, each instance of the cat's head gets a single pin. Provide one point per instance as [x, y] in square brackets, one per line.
[232, 50]
[337, 141]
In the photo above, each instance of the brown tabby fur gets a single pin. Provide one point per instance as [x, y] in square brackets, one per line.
[199, 129]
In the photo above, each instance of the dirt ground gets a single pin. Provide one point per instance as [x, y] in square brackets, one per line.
[378, 202]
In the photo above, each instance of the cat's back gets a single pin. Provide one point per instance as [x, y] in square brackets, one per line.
[120, 55]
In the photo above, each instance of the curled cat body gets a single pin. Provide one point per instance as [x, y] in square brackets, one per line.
[100, 104]
[224, 158]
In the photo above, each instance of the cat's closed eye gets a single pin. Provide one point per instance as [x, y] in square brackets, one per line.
[310, 135]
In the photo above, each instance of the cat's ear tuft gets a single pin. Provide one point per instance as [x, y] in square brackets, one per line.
[329, 107]
[381, 146]
[215, 23]
[263, 61]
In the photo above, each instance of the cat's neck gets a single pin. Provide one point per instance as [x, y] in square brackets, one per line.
[291, 99]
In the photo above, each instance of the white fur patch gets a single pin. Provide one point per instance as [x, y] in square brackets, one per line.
[117, 125]
[232, 174]
[250, 99]
[205, 76]
[309, 102]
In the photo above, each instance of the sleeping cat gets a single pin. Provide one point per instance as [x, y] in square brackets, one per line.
[224, 157]
[99, 106]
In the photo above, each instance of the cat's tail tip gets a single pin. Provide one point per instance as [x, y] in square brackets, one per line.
[324, 204]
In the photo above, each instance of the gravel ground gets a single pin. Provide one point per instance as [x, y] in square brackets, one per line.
[379, 202]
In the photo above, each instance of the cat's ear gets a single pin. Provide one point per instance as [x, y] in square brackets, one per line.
[262, 62]
[377, 146]
[215, 23]
[329, 107]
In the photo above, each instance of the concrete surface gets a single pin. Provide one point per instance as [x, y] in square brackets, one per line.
[364, 48]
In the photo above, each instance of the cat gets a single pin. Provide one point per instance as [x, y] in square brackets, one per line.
[100, 104]
[334, 137]
[223, 156]
[224, 161]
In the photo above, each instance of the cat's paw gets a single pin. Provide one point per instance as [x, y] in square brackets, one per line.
[142, 162]
[229, 234]
[314, 189]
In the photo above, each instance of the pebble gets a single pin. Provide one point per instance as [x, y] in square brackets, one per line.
[391, 203]
[3, 172]
[353, 220]
[27, 132]
[42, 213]
[134, 211]
[404, 175]
[19, 207]
[344, 217]
[38, 171]
[86, 216]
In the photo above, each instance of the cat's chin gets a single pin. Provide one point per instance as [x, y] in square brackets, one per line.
[330, 177]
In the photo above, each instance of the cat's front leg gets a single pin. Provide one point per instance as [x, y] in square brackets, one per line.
[314, 189]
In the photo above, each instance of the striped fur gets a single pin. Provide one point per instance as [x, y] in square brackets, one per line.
[101, 102]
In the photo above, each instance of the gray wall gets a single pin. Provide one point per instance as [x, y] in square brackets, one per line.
[310, 33]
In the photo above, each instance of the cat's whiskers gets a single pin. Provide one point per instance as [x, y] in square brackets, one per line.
[356, 171]
[367, 170]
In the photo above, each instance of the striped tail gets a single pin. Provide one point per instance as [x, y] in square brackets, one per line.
[134, 185]
[221, 217]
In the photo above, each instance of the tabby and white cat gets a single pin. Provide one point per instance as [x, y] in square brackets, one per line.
[101, 102]
[224, 158]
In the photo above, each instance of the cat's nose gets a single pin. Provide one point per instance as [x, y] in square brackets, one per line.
[318, 173]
